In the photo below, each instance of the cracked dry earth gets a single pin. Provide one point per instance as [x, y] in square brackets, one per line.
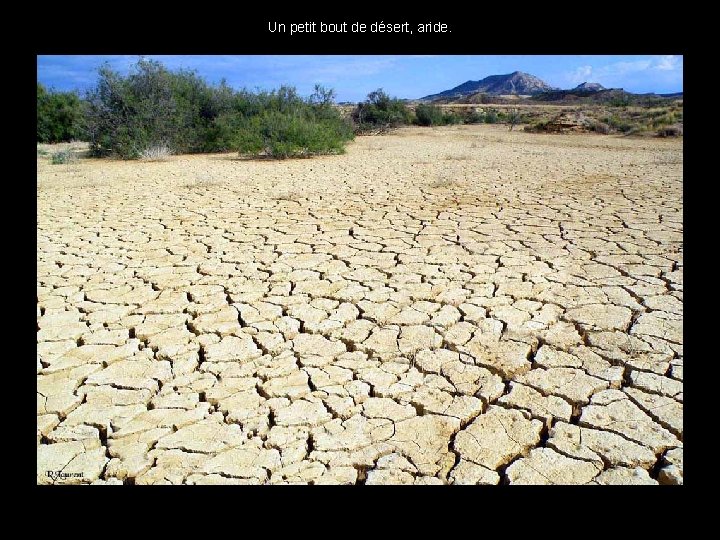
[457, 305]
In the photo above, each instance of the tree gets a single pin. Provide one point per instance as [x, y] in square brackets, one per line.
[151, 107]
[513, 118]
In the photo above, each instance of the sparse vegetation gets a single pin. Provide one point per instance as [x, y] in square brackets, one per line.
[154, 112]
[442, 183]
[620, 100]
[432, 115]
[631, 120]
[537, 127]
[618, 124]
[513, 118]
[670, 131]
[600, 127]
[63, 157]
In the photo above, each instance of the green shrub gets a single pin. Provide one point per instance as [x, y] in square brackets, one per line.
[379, 110]
[539, 126]
[491, 117]
[428, 115]
[151, 106]
[599, 127]
[280, 135]
[281, 124]
[59, 116]
[178, 112]
[618, 124]
[63, 157]
[474, 117]
[663, 120]
[513, 118]
[432, 115]
[622, 100]
[450, 118]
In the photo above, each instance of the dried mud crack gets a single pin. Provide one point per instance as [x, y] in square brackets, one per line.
[370, 318]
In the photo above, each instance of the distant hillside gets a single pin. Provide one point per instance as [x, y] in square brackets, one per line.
[590, 87]
[516, 83]
[610, 96]
[506, 89]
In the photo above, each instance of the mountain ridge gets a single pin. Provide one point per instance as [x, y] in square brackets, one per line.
[515, 83]
[519, 85]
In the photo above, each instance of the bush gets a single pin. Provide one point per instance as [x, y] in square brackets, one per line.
[491, 117]
[428, 115]
[670, 131]
[155, 110]
[151, 106]
[432, 115]
[622, 100]
[379, 110]
[619, 124]
[63, 157]
[663, 120]
[279, 135]
[541, 126]
[281, 124]
[59, 116]
[513, 118]
[474, 117]
[450, 118]
[599, 127]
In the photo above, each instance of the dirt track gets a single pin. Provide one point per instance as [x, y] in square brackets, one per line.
[451, 305]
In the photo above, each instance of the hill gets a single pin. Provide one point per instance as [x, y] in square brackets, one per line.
[516, 83]
[590, 87]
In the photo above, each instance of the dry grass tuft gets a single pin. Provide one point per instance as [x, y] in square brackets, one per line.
[290, 197]
[457, 157]
[156, 152]
[442, 183]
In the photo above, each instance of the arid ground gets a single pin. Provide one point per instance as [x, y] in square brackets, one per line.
[458, 305]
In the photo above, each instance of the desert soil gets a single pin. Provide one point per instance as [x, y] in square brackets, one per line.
[454, 305]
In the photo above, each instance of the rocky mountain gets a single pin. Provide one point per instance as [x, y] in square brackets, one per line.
[516, 83]
[590, 87]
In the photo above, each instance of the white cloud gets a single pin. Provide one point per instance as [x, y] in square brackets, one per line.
[667, 62]
[654, 69]
[580, 74]
[354, 68]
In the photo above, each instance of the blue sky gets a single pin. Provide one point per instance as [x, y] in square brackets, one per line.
[405, 76]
